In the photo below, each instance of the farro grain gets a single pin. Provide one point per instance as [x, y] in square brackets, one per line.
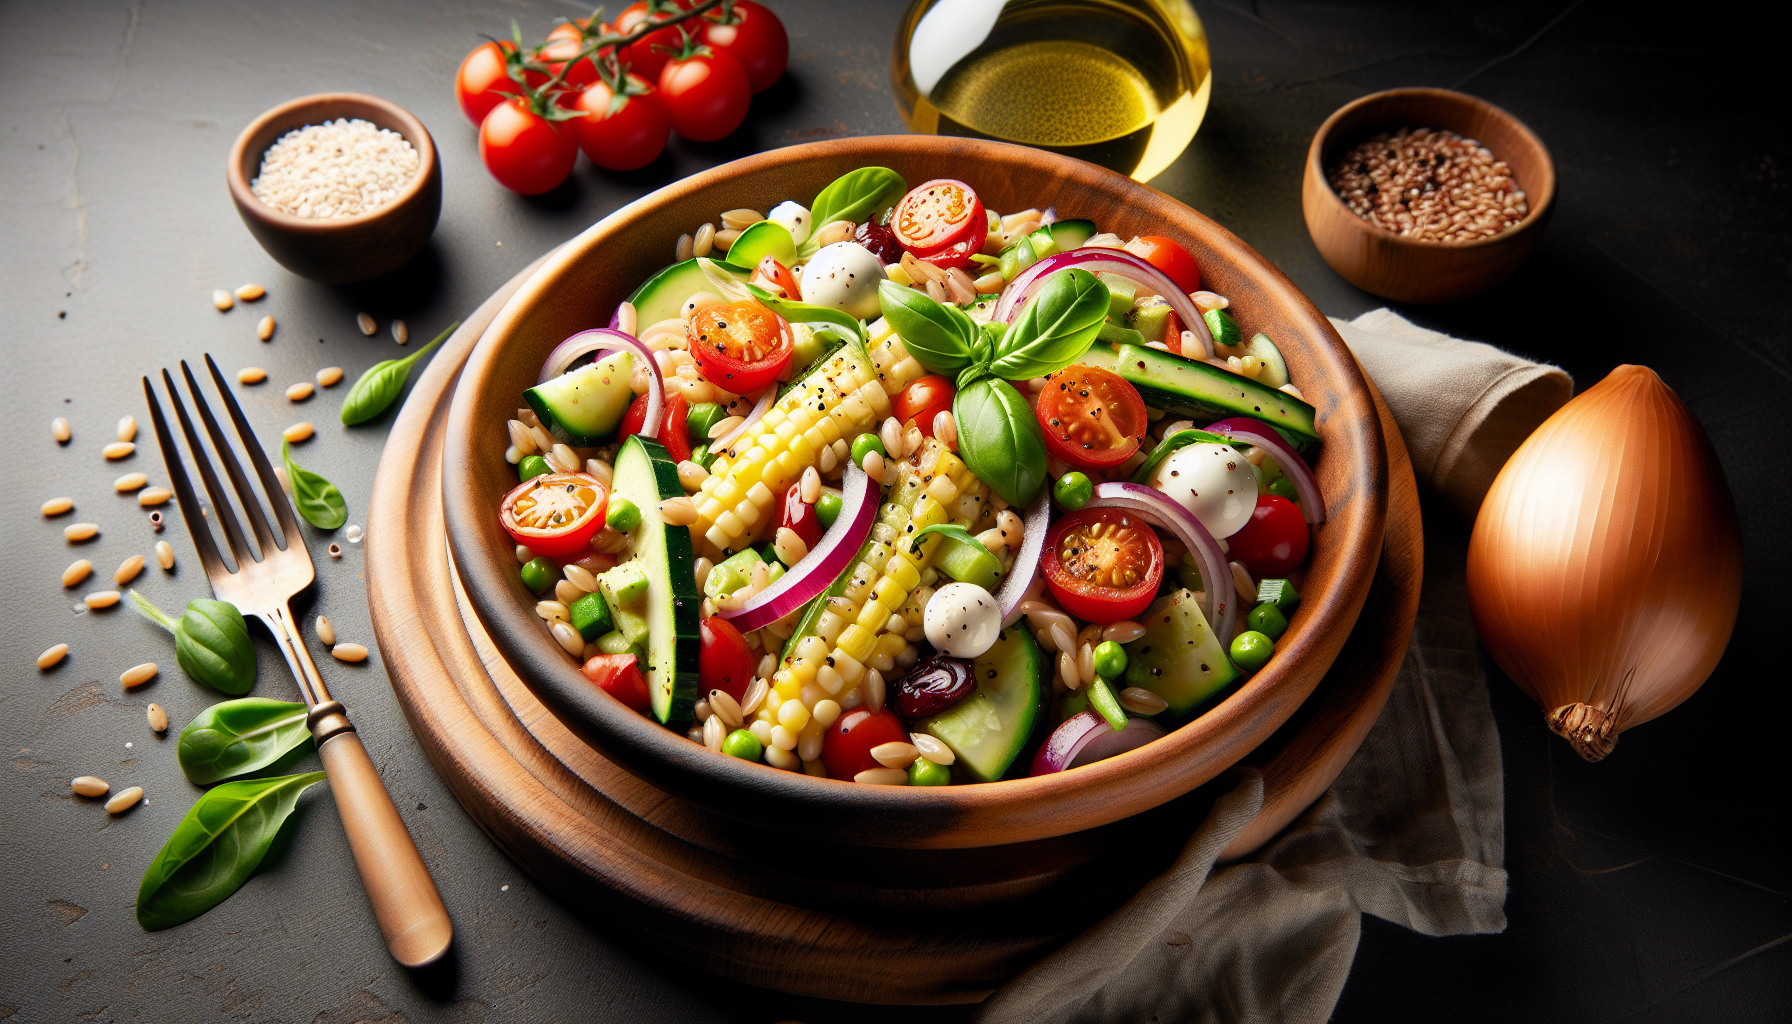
[714, 732]
[264, 329]
[128, 570]
[151, 496]
[118, 450]
[400, 332]
[755, 696]
[79, 532]
[130, 482]
[300, 431]
[326, 633]
[726, 708]
[251, 375]
[339, 168]
[931, 748]
[300, 391]
[125, 801]
[164, 554]
[351, 652]
[739, 220]
[127, 428]
[158, 719]
[725, 239]
[895, 754]
[684, 249]
[1429, 185]
[1141, 701]
[329, 376]
[223, 300]
[570, 640]
[704, 241]
[369, 326]
[882, 777]
[101, 599]
[251, 292]
[58, 506]
[52, 657]
[1123, 632]
[89, 785]
[138, 675]
[566, 593]
[59, 430]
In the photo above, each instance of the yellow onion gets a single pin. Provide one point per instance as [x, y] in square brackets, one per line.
[1605, 568]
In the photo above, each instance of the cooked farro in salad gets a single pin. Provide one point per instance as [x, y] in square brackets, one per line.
[895, 489]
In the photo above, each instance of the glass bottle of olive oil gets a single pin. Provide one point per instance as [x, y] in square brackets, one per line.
[1121, 83]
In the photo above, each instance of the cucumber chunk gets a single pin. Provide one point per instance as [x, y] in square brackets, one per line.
[591, 616]
[662, 297]
[988, 729]
[761, 239]
[1151, 318]
[1072, 234]
[1178, 658]
[1275, 372]
[1170, 382]
[967, 563]
[1121, 292]
[646, 475]
[583, 405]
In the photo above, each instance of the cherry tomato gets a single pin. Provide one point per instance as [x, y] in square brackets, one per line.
[619, 676]
[1173, 333]
[1275, 539]
[523, 150]
[740, 346]
[957, 255]
[673, 425]
[563, 43]
[725, 663]
[481, 83]
[846, 746]
[938, 215]
[706, 93]
[621, 133]
[1103, 564]
[642, 57]
[923, 400]
[1164, 254]
[774, 277]
[1092, 418]
[756, 40]
[555, 514]
[800, 516]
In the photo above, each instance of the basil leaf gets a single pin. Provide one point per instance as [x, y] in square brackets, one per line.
[973, 372]
[1056, 327]
[381, 385]
[957, 533]
[808, 313]
[240, 736]
[1180, 439]
[940, 337]
[1000, 440]
[989, 335]
[216, 847]
[211, 642]
[317, 499]
[856, 196]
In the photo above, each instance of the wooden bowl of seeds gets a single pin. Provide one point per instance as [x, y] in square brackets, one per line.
[1426, 195]
[338, 187]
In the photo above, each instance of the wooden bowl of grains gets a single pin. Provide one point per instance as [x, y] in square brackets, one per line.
[338, 187]
[1426, 195]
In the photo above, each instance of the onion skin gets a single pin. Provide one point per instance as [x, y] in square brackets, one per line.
[1605, 569]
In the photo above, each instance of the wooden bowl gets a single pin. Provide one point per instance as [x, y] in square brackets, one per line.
[1407, 270]
[344, 249]
[579, 286]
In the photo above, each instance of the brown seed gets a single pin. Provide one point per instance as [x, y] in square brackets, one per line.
[158, 719]
[400, 333]
[165, 554]
[325, 631]
[59, 430]
[223, 300]
[300, 391]
[138, 675]
[118, 449]
[78, 532]
[130, 482]
[76, 572]
[130, 797]
[88, 785]
[368, 325]
[357, 652]
[127, 428]
[300, 431]
[251, 375]
[154, 496]
[264, 328]
[101, 599]
[57, 506]
[52, 657]
[329, 376]
[251, 292]
[128, 570]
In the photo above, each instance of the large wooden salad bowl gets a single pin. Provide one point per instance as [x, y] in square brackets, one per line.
[579, 286]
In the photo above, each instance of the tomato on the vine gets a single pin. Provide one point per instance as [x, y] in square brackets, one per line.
[706, 92]
[564, 43]
[939, 215]
[740, 347]
[673, 424]
[1274, 541]
[621, 133]
[755, 38]
[482, 82]
[526, 152]
[555, 514]
[725, 662]
[776, 278]
[922, 401]
[1092, 418]
[1103, 564]
[642, 55]
[846, 745]
[619, 675]
[1166, 255]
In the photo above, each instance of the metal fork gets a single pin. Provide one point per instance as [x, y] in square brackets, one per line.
[411, 916]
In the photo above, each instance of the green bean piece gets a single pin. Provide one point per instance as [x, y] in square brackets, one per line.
[1268, 620]
[701, 417]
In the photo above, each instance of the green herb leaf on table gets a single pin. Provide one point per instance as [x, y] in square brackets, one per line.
[240, 736]
[317, 499]
[957, 533]
[940, 337]
[383, 382]
[1000, 440]
[211, 642]
[1057, 325]
[216, 847]
[857, 196]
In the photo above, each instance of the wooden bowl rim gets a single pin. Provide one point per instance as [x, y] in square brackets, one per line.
[408, 126]
[1244, 715]
[1544, 192]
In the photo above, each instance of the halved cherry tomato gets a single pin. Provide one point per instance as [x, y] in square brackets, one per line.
[957, 255]
[776, 278]
[800, 516]
[755, 38]
[563, 43]
[939, 215]
[643, 57]
[673, 424]
[922, 401]
[725, 662]
[621, 133]
[555, 514]
[619, 676]
[1092, 418]
[740, 346]
[482, 83]
[1169, 257]
[526, 152]
[1274, 540]
[1103, 564]
[846, 746]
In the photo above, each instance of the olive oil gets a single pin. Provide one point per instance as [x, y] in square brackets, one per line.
[1121, 83]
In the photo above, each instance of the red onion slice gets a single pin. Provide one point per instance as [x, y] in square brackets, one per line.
[1264, 436]
[760, 408]
[822, 565]
[1026, 561]
[1086, 737]
[1159, 508]
[1108, 261]
[604, 339]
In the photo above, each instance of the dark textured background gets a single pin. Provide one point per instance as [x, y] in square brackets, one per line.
[1644, 888]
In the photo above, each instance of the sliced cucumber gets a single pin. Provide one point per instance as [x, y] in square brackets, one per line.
[1276, 369]
[1072, 234]
[1175, 384]
[988, 729]
[1112, 336]
[662, 297]
[1121, 292]
[967, 563]
[646, 475]
[1178, 658]
[1151, 318]
[761, 239]
[583, 405]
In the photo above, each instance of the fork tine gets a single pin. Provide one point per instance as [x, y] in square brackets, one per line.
[233, 531]
[264, 470]
[264, 537]
[183, 488]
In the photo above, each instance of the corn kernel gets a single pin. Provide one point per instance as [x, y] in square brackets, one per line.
[855, 640]
[874, 614]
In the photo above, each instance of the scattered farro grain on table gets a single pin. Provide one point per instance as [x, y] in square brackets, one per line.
[351, 652]
[1430, 186]
[400, 333]
[368, 325]
[164, 554]
[89, 785]
[158, 719]
[251, 292]
[150, 496]
[300, 431]
[223, 300]
[251, 375]
[78, 532]
[127, 428]
[264, 328]
[52, 657]
[101, 599]
[339, 168]
[138, 675]
[58, 506]
[325, 631]
[131, 482]
[128, 570]
[77, 571]
[118, 450]
[59, 430]
[125, 800]
[300, 391]
[329, 376]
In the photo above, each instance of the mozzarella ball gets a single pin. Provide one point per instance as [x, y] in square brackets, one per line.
[795, 218]
[962, 620]
[1214, 482]
[844, 275]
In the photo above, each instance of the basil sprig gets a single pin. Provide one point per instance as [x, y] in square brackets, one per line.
[940, 336]
[211, 642]
[381, 385]
[240, 736]
[999, 439]
[857, 196]
[809, 313]
[1057, 325]
[317, 499]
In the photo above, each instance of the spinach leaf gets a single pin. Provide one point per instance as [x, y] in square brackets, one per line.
[940, 337]
[856, 196]
[807, 313]
[216, 847]
[211, 642]
[1000, 440]
[381, 385]
[240, 736]
[957, 533]
[1056, 327]
[317, 499]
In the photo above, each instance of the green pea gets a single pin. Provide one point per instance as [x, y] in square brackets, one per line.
[867, 443]
[742, 744]
[623, 516]
[827, 508]
[701, 417]
[1073, 490]
[531, 467]
[1251, 650]
[1267, 619]
[700, 454]
[1110, 659]
[540, 574]
[1075, 703]
[1283, 487]
[925, 773]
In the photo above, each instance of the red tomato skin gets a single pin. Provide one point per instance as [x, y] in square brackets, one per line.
[481, 83]
[758, 43]
[525, 152]
[846, 746]
[1274, 541]
[1171, 258]
[673, 427]
[922, 401]
[732, 374]
[1113, 606]
[774, 276]
[955, 256]
[725, 662]
[572, 543]
[619, 676]
[975, 224]
[707, 95]
[1132, 409]
[800, 516]
[1173, 333]
[634, 136]
[563, 41]
[642, 57]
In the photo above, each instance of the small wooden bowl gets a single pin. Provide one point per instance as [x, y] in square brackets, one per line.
[345, 249]
[1407, 270]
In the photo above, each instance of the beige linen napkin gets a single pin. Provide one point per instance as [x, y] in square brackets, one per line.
[1412, 831]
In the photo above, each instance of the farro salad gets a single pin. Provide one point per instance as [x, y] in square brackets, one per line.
[894, 489]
